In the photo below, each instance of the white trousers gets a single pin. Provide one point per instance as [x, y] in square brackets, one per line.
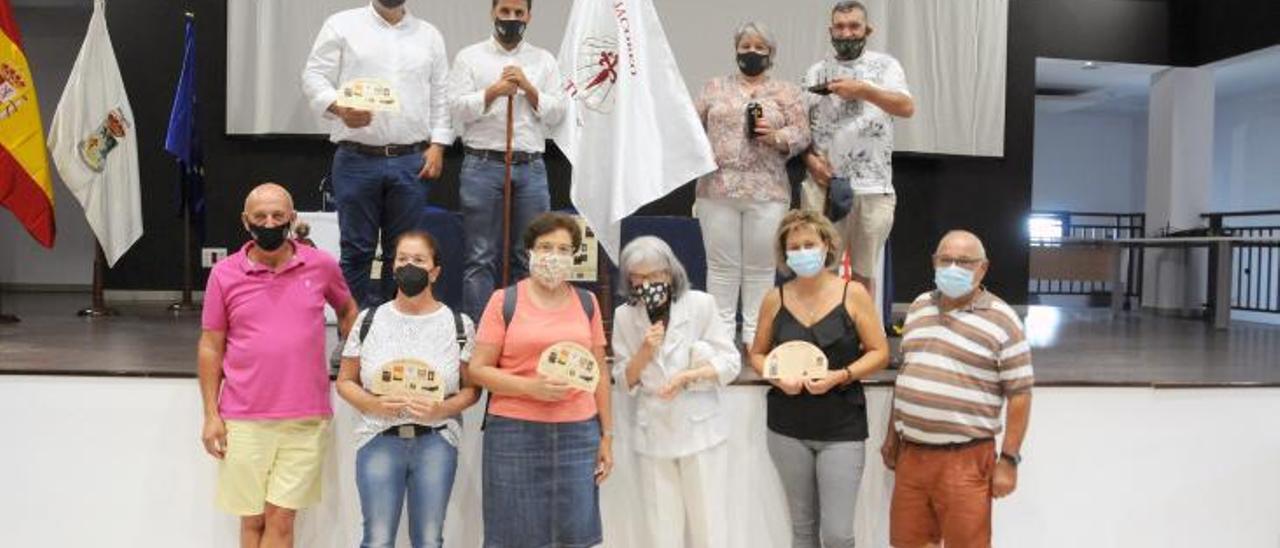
[738, 237]
[687, 493]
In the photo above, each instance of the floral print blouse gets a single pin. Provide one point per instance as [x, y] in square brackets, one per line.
[749, 168]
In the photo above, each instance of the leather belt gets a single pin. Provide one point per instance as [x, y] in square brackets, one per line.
[386, 151]
[410, 430]
[517, 156]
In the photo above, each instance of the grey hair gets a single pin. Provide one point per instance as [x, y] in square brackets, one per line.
[651, 251]
[758, 29]
[982, 250]
[846, 6]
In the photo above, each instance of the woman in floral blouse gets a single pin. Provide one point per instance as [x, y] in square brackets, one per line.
[740, 204]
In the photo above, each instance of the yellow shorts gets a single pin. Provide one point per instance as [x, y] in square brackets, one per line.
[275, 461]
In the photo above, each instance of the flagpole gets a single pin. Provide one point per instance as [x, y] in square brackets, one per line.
[186, 304]
[99, 308]
[185, 169]
[603, 264]
[506, 196]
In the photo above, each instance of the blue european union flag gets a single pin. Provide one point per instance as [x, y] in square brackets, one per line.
[183, 137]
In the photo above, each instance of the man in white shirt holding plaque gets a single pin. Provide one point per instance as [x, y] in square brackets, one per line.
[485, 76]
[390, 143]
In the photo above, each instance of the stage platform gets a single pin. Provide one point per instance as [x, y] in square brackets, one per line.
[1145, 431]
[1071, 346]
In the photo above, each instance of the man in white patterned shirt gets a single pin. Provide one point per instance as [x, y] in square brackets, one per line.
[485, 75]
[964, 356]
[851, 119]
[383, 158]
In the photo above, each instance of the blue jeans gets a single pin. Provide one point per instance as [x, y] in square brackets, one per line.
[375, 195]
[539, 484]
[386, 468]
[481, 198]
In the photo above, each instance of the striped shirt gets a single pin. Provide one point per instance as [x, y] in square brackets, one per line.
[958, 368]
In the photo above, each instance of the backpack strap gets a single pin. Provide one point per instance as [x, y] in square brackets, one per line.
[509, 297]
[588, 305]
[460, 331]
[509, 304]
[368, 322]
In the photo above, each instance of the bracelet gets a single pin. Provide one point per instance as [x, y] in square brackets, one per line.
[849, 372]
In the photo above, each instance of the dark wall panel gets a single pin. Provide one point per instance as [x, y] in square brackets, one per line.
[1211, 30]
[1130, 31]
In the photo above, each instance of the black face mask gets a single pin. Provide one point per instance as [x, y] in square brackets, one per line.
[848, 49]
[656, 299]
[269, 238]
[509, 31]
[391, 4]
[412, 280]
[752, 63]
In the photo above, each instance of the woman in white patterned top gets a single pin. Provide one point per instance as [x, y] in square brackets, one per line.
[399, 361]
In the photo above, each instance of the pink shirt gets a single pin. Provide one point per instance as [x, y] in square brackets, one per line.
[274, 366]
[532, 330]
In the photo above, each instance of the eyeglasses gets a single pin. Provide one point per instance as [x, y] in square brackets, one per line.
[967, 263]
[556, 249]
[651, 277]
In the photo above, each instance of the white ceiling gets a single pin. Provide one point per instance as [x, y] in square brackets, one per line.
[1124, 87]
[1108, 87]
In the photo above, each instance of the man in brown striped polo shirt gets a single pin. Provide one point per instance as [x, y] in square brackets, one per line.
[964, 355]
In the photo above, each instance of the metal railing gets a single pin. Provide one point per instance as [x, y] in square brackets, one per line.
[1255, 269]
[1087, 225]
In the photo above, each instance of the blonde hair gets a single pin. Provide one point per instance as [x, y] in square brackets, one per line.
[802, 218]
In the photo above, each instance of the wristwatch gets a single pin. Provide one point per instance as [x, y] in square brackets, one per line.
[1015, 460]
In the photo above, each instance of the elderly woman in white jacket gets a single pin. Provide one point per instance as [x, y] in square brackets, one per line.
[674, 353]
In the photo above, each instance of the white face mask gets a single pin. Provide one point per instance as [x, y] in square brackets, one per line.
[550, 269]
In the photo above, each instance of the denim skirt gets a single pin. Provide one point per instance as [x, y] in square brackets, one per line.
[539, 484]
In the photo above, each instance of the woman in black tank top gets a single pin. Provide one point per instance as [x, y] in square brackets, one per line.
[817, 427]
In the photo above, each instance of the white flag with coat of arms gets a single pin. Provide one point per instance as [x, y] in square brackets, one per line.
[631, 130]
[94, 145]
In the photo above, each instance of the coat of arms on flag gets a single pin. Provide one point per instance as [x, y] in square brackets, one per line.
[95, 147]
[12, 90]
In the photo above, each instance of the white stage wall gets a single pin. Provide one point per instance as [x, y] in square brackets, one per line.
[954, 54]
[117, 462]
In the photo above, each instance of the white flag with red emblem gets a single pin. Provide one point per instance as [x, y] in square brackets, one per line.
[630, 130]
[94, 144]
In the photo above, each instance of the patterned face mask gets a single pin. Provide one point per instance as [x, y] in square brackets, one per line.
[655, 297]
[848, 49]
[550, 269]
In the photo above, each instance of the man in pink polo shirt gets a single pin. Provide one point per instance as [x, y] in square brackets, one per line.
[262, 370]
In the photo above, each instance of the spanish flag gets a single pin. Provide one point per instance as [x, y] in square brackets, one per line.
[25, 187]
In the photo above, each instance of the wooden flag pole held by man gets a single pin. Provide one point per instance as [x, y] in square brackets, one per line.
[506, 195]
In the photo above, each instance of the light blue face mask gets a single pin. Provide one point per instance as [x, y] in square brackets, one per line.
[806, 262]
[953, 281]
